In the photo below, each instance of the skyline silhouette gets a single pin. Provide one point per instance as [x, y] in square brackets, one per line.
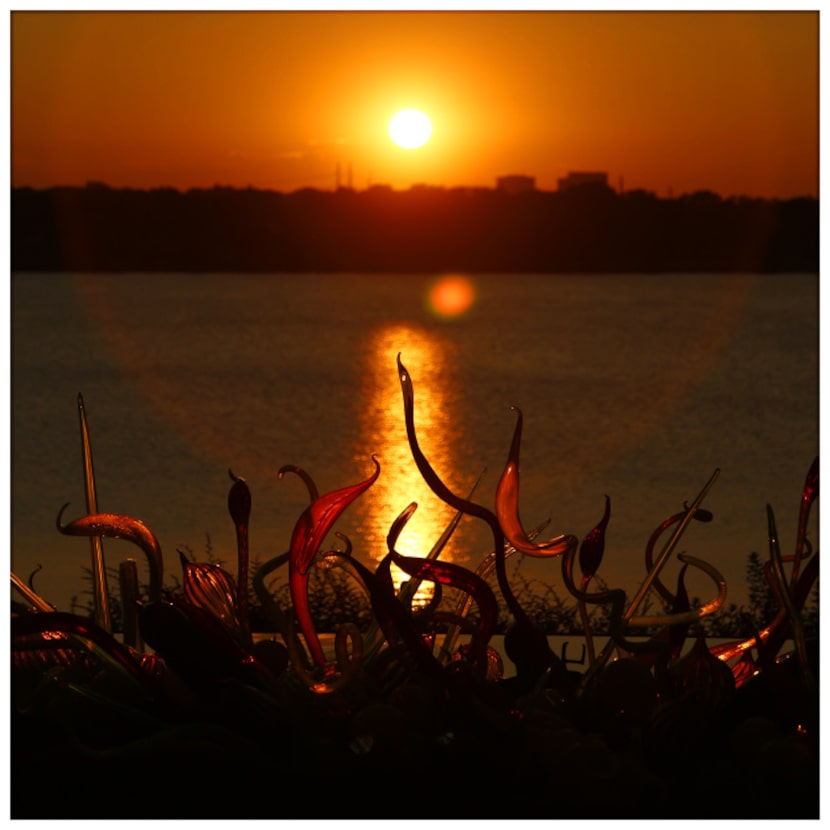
[585, 228]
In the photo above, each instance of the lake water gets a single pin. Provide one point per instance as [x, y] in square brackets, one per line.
[633, 386]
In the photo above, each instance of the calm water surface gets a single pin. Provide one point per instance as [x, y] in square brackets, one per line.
[633, 386]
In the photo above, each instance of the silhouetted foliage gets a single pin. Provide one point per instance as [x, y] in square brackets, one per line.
[334, 599]
[587, 228]
[763, 605]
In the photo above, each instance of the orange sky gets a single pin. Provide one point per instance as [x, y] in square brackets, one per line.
[672, 102]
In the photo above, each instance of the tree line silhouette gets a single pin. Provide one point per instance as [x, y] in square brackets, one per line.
[585, 229]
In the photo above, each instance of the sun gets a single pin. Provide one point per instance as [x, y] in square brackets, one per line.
[410, 129]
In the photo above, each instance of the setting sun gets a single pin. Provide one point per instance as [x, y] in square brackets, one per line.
[115, 97]
[410, 129]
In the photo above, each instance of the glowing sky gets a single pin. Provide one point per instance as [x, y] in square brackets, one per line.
[672, 102]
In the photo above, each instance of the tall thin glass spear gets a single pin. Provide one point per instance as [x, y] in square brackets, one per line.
[99, 572]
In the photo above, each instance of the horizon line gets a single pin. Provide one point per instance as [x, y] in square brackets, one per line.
[418, 186]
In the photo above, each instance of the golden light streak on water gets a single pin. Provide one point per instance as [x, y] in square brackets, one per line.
[382, 425]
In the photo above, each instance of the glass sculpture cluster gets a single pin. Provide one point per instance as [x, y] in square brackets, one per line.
[422, 685]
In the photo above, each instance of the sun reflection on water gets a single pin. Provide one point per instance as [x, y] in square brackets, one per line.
[382, 426]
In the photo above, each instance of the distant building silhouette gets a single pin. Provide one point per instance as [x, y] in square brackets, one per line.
[576, 179]
[515, 184]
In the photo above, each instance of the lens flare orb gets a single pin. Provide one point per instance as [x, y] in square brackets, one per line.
[451, 296]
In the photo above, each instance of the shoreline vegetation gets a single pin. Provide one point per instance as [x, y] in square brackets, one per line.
[586, 229]
[334, 601]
